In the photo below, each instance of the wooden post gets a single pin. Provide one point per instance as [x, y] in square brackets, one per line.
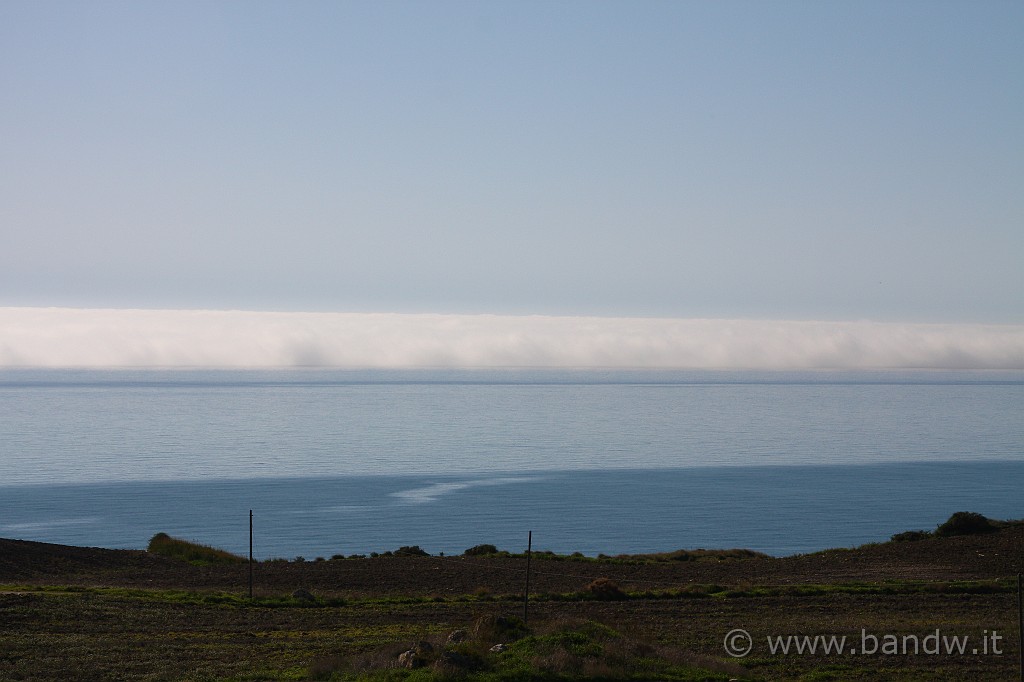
[250, 554]
[526, 592]
[1020, 625]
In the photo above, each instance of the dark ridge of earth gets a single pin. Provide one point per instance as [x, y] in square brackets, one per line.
[974, 557]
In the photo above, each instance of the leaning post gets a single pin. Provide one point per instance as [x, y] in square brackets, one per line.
[526, 592]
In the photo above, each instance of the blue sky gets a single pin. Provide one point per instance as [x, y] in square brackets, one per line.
[763, 160]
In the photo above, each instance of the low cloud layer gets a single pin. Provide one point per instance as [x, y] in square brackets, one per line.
[61, 337]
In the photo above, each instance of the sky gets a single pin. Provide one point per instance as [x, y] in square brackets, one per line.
[741, 161]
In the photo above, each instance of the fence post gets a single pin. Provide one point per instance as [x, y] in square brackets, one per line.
[250, 555]
[526, 592]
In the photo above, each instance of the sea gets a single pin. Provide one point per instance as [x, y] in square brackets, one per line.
[340, 462]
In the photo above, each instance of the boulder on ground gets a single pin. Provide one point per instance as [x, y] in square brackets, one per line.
[457, 637]
[416, 656]
[409, 659]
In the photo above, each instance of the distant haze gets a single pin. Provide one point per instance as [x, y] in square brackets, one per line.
[64, 337]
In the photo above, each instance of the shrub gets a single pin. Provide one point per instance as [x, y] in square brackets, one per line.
[606, 590]
[480, 550]
[164, 545]
[496, 628]
[413, 550]
[911, 536]
[965, 523]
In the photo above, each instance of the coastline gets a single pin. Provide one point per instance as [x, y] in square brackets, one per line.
[780, 510]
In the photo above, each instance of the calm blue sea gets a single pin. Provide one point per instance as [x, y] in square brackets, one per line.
[342, 462]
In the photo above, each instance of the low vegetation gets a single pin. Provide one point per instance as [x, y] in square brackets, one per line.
[503, 649]
[692, 555]
[606, 589]
[482, 550]
[965, 523]
[960, 523]
[88, 613]
[192, 552]
[487, 550]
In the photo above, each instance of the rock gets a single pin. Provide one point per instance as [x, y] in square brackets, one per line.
[456, 637]
[482, 626]
[498, 648]
[303, 595]
[409, 659]
[416, 657]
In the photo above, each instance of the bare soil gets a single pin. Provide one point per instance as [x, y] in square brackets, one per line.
[91, 613]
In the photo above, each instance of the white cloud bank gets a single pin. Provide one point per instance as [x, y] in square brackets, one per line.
[63, 337]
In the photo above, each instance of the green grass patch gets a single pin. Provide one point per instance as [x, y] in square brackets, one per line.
[690, 592]
[558, 650]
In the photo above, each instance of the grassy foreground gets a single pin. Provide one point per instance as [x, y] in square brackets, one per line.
[80, 613]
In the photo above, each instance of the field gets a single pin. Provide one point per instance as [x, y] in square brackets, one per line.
[86, 613]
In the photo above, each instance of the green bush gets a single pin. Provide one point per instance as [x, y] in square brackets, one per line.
[965, 523]
[480, 550]
[497, 628]
[911, 536]
[164, 545]
[413, 550]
